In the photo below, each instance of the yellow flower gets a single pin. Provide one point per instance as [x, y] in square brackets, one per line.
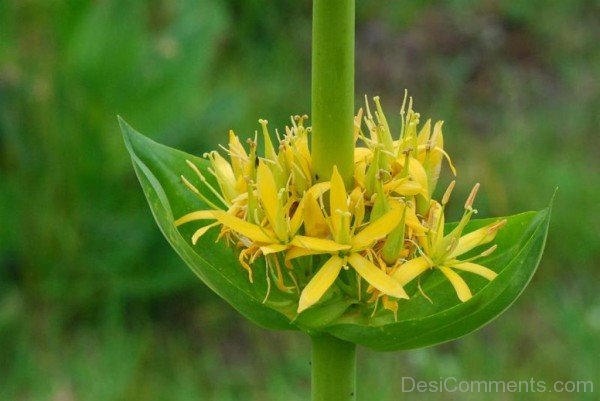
[273, 237]
[442, 251]
[387, 227]
[346, 233]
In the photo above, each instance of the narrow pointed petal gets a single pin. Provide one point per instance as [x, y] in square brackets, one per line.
[377, 229]
[417, 171]
[476, 269]
[357, 206]
[425, 133]
[198, 215]
[238, 154]
[224, 173]
[376, 277]
[273, 248]
[201, 231]
[460, 286]
[360, 170]
[269, 149]
[252, 231]
[296, 252]
[319, 189]
[297, 218]
[318, 244]
[473, 239]
[320, 283]
[338, 198]
[362, 155]
[405, 187]
[315, 224]
[410, 270]
[412, 220]
[267, 191]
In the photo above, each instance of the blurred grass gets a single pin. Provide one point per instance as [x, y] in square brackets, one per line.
[93, 303]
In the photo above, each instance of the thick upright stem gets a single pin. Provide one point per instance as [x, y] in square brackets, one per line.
[333, 369]
[333, 360]
[333, 87]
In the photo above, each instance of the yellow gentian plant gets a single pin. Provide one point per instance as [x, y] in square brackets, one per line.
[337, 226]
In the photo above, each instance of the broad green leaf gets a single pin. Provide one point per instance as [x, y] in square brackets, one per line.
[419, 322]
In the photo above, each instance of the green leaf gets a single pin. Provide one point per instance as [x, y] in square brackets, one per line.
[422, 323]
[158, 169]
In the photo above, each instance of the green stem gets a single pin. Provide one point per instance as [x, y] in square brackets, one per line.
[333, 369]
[333, 360]
[333, 88]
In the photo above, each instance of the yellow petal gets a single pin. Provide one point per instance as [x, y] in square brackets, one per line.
[362, 155]
[238, 155]
[357, 206]
[377, 229]
[320, 283]
[360, 171]
[319, 189]
[417, 171]
[476, 269]
[461, 288]
[412, 220]
[224, 173]
[337, 203]
[198, 215]
[338, 197]
[252, 231]
[405, 187]
[318, 244]
[269, 149]
[315, 224]
[376, 277]
[267, 191]
[296, 252]
[298, 217]
[408, 271]
[475, 238]
[273, 248]
[201, 231]
[425, 133]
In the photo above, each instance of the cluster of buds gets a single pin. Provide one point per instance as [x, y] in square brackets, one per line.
[318, 237]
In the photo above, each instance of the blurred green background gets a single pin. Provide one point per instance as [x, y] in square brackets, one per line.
[94, 305]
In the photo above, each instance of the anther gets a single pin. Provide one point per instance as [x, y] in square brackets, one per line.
[497, 226]
[448, 192]
[488, 251]
[471, 198]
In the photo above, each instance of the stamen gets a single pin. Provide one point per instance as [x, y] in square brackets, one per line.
[195, 190]
[375, 307]
[423, 292]
[448, 192]
[205, 182]
[291, 274]
[497, 226]
[369, 115]
[268, 280]
[453, 241]
[489, 251]
[471, 198]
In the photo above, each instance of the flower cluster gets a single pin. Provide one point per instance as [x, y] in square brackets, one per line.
[368, 240]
